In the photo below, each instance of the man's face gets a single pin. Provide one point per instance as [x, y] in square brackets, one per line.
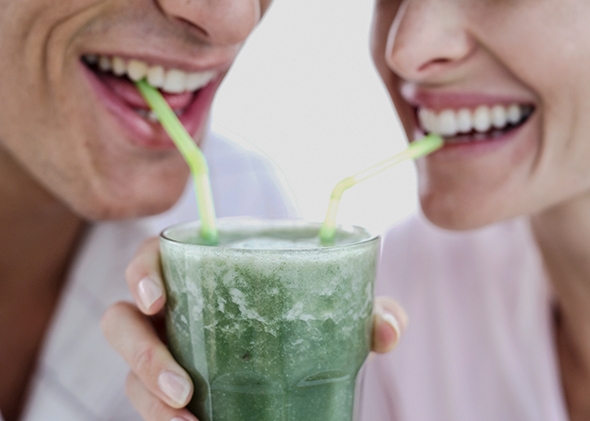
[69, 113]
[506, 83]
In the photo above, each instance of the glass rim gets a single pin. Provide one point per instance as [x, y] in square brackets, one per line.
[268, 223]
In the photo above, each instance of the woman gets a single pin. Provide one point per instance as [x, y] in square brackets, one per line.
[500, 316]
[500, 313]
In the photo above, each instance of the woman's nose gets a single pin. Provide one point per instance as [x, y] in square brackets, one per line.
[222, 22]
[425, 38]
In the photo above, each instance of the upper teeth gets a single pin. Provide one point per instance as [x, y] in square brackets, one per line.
[173, 81]
[483, 118]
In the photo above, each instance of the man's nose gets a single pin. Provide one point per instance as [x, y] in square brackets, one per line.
[426, 38]
[223, 22]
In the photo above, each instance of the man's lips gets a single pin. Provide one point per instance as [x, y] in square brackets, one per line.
[121, 98]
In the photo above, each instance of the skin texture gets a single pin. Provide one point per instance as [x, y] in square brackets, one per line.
[442, 48]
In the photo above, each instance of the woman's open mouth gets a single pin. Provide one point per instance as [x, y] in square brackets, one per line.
[470, 125]
[189, 94]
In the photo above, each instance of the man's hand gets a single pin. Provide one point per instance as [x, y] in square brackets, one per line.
[156, 385]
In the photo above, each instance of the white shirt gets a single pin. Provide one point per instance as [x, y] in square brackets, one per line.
[479, 344]
[79, 377]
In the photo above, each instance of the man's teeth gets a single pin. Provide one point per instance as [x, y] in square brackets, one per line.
[173, 81]
[482, 119]
[149, 115]
[152, 116]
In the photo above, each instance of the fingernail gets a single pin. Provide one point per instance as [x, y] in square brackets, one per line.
[149, 292]
[175, 386]
[394, 323]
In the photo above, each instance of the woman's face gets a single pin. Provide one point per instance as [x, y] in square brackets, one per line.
[507, 82]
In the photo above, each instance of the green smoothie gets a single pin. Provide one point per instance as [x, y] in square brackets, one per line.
[270, 325]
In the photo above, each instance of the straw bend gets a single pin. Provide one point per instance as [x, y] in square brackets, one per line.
[192, 155]
[417, 149]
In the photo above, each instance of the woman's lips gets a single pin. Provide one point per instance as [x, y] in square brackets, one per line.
[476, 145]
[121, 98]
[470, 128]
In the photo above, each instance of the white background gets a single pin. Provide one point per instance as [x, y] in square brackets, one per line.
[304, 92]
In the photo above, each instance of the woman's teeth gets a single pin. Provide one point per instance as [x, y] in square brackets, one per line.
[483, 119]
[172, 81]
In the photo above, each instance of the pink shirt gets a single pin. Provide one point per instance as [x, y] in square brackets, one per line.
[479, 345]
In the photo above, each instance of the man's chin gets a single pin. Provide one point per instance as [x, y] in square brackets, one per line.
[100, 211]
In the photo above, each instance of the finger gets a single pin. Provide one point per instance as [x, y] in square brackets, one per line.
[150, 406]
[389, 322]
[144, 278]
[130, 333]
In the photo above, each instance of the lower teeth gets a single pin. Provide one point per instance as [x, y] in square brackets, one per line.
[148, 115]
[476, 137]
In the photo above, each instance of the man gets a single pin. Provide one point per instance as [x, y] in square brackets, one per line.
[81, 159]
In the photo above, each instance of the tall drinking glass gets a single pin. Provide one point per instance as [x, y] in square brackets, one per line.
[270, 325]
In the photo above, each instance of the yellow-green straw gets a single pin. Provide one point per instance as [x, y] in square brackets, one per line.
[417, 149]
[191, 153]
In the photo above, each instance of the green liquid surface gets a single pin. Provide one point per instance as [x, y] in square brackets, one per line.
[272, 327]
[275, 239]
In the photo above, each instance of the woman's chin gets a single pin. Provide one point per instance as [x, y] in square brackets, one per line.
[450, 216]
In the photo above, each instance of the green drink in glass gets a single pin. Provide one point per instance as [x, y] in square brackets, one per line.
[270, 325]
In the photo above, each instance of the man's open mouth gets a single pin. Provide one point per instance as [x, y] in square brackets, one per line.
[474, 125]
[115, 70]
[189, 94]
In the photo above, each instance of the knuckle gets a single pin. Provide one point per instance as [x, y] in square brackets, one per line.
[144, 359]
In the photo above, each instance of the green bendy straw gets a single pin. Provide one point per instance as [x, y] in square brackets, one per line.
[191, 153]
[417, 149]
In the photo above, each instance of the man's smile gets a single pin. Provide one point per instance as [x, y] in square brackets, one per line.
[170, 80]
[189, 93]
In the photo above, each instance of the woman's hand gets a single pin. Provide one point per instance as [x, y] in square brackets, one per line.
[156, 385]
